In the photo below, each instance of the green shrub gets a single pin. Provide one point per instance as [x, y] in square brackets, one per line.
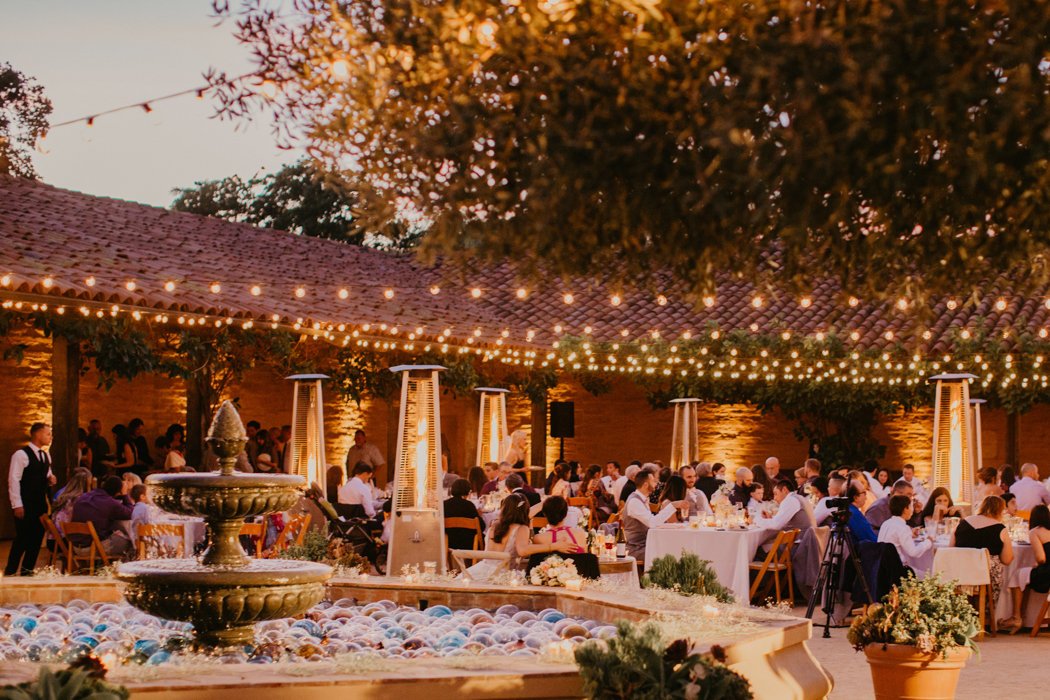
[688, 575]
[636, 665]
[313, 548]
[67, 684]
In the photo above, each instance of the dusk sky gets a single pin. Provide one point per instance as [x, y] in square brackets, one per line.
[96, 55]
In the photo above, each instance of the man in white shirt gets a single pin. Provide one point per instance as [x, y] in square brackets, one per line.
[698, 503]
[612, 474]
[908, 475]
[28, 483]
[638, 517]
[357, 491]
[364, 451]
[793, 512]
[1028, 490]
[836, 489]
[897, 532]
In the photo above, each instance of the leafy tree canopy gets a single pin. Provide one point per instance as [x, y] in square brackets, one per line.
[869, 141]
[24, 112]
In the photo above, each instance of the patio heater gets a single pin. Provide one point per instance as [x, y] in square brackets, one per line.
[417, 536]
[685, 447]
[953, 458]
[492, 424]
[976, 450]
[306, 448]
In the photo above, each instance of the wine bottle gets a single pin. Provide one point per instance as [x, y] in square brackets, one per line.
[621, 543]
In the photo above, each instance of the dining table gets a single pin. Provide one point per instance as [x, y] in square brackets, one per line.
[730, 550]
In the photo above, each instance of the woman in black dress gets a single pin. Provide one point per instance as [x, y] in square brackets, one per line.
[1039, 576]
[985, 530]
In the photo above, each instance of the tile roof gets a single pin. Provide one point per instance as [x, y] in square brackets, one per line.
[53, 240]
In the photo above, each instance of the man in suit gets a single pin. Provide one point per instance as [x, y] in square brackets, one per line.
[517, 485]
[28, 483]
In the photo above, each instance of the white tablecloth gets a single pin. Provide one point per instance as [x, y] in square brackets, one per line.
[729, 551]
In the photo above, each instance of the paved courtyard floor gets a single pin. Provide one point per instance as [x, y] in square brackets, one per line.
[1013, 667]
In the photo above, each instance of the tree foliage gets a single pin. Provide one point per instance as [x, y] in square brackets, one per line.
[24, 112]
[886, 140]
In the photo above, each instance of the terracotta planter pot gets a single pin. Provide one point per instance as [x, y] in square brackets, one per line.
[901, 672]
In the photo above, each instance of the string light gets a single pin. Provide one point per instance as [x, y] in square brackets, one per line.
[215, 288]
[256, 290]
[300, 292]
[568, 297]
[130, 285]
[48, 283]
[90, 281]
[475, 292]
[169, 286]
[435, 290]
[521, 293]
[615, 300]
[388, 293]
[5, 280]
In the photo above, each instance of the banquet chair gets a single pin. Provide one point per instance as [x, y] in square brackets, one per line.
[777, 562]
[149, 537]
[462, 556]
[257, 531]
[539, 522]
[95, 552]
[470, 524]
[1024, 514]
[60, 553]
[1037, 626]
[292, 534]
[580, 501]
[969, 568]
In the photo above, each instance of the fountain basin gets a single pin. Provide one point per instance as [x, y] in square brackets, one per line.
[225, 496]
[223, 603]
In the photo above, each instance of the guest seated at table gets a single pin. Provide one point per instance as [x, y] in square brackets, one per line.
[882, 478]
[706, 480]
[794, 512]
[858, 524]
[591, 473]
[698, 502]
[1029, 490]
[143, 512]
[105, 507]
[1011, 503]
[333, 480]
[815, 490]
[674, 491]
[594, 488]
[457, 506]
[879, 512]
[987, 484]
[554, 510]
[357, 491]
[908, 474]
[476, 478]
[515, 484]
[498, 476]
[896, 531]
[662, 475]
[638, 517]
[80, 483]
[985, 530]
[1007, 477]
[762, 478]
[560, 481]
[800, 478]
[836, 489]
[621, 492]
[859, 479]
[757, 501]
[510, 534]
[1037, 578]
[939, 506]
[741, 493]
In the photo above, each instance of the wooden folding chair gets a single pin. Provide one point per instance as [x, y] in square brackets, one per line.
[778, 561]
[1037, 626]
[257, 531]
[60, 554]
[292, 534]
[539, 522]
[654, 508]
[463, 524]
[580, 501]
[150, 534]
[95, 550]
[462, 556]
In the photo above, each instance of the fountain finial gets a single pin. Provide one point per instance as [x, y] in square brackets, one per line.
[227, 436]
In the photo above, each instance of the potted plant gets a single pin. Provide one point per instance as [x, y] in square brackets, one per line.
[917, 640]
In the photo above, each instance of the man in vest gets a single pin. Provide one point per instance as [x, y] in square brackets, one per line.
[794, 511]
[28, 483]
[637, 516]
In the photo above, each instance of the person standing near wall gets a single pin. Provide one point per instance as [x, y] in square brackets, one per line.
[28, 482]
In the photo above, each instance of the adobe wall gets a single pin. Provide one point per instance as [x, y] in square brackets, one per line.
[618, 425]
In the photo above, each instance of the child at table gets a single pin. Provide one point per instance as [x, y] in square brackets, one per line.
[143, 512]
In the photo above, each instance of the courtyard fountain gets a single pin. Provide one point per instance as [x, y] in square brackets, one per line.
[226, 592]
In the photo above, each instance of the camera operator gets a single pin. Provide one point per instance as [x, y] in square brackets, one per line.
[836, 486]
[859, 526]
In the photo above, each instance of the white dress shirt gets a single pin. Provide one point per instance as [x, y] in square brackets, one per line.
[617, 488]
[19, 462]
[142, 514]
[921, 494]
[638, 508]
[698, 502]
[356, 492]
[874, 486]
[787, 510]
[1029, 493]
[898, 533]
[822, 512]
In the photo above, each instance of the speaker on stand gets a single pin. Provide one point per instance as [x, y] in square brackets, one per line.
[562, 423]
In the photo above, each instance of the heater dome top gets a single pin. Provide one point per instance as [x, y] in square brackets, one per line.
[492, 390]
[409, 368]
[307, 377]
[951, 377]
[686, 401]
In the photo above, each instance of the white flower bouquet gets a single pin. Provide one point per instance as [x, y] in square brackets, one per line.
[553, 571]
[722, 494]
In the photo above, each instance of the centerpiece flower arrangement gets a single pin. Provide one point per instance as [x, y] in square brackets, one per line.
[553, 571]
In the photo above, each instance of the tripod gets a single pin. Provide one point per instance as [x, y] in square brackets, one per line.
[829, 580]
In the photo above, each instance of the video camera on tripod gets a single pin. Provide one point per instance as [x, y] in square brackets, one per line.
[841, 549]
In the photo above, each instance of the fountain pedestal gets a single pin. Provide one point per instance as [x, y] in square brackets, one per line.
[226, 592]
